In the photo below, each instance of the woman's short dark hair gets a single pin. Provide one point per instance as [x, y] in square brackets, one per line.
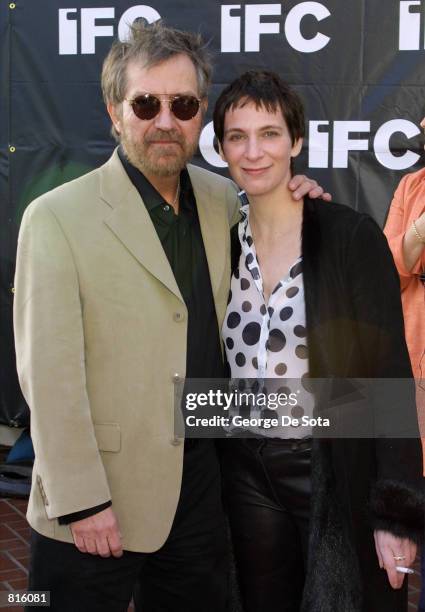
[265, 89]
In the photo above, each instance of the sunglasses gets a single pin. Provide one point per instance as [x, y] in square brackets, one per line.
[147, 106]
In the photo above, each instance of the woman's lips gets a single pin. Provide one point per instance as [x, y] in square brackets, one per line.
[255, 171]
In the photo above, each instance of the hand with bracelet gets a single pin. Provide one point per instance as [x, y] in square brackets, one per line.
[414, 242]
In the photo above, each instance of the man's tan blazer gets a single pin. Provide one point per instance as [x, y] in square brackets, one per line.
[101, 330]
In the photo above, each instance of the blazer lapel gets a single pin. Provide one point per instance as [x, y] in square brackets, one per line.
[130, 222]
[212, 219]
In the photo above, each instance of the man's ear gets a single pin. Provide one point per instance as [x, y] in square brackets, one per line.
[115, 113]
[204, 104]
[296, 147]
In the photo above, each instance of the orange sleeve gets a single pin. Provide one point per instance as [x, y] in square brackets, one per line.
[395, 230]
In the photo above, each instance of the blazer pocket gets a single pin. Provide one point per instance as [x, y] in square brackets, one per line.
[108, 436]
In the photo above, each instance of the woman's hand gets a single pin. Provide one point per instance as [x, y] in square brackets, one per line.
[413, 246]
[388, 547]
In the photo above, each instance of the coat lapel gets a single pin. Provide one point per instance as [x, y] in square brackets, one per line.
[212, 219]
[130, 222]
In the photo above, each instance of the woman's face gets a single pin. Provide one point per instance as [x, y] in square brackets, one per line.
[258, 148]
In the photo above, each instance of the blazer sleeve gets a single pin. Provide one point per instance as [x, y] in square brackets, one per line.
[50, 357]
[395, 230]
[397, 495]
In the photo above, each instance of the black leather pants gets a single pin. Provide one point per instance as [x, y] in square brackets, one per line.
[267, 494]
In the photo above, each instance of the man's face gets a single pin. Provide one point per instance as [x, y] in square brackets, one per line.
[163, 145]
[258, 148]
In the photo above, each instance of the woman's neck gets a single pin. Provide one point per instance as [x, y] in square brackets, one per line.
[271, 217]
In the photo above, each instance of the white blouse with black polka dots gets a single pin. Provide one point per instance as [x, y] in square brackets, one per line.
[268, 341]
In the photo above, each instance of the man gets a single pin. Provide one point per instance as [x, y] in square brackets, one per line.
[121, 288]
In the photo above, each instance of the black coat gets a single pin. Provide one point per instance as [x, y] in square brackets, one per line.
[355, 330]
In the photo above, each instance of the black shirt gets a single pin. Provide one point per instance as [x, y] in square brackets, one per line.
[181, 239]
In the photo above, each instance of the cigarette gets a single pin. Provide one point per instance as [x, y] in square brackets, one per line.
[404, 570]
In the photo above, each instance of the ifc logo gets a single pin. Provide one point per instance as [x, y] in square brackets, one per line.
[238, 20]
[88, 21]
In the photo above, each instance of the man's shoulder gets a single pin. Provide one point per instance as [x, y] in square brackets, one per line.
[223, 189]
[75, 197]
[72, 193]
[211, 178]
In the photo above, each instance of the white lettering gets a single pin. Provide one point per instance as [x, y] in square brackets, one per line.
[90, 31]
[318, 153]
[322, 133]
[381, 144]
[409, 35]
[230, 29]
[287, 421]
[130, 16]
[343, 143]
[266, 423]
[206, 146]
[214, 421]
[70, 18]
[293, 400]
[293, 27]
[253, 26]
[67, 32]
[319, 422]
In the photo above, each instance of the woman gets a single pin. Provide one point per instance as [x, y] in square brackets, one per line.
[314, 295]
[405, 231]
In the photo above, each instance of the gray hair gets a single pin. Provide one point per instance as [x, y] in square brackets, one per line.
[153, 44]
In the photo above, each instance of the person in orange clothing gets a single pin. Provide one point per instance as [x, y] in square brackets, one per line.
[405, 231]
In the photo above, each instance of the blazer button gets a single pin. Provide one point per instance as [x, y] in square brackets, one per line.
[178, 317]
[176, 378]
[176, 441]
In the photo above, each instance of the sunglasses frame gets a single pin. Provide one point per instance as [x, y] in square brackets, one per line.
[169, 99]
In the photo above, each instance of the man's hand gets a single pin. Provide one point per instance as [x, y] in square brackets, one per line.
[98, 534]
[388, 548]
[301, 185]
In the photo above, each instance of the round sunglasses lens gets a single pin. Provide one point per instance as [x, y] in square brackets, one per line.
[146, 107]
[185, 107]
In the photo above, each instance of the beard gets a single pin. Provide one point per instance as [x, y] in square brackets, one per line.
[161, 160]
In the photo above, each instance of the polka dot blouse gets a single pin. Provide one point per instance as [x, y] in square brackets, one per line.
[268, 341]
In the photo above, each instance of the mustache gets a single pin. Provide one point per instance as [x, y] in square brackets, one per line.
[158, 135]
